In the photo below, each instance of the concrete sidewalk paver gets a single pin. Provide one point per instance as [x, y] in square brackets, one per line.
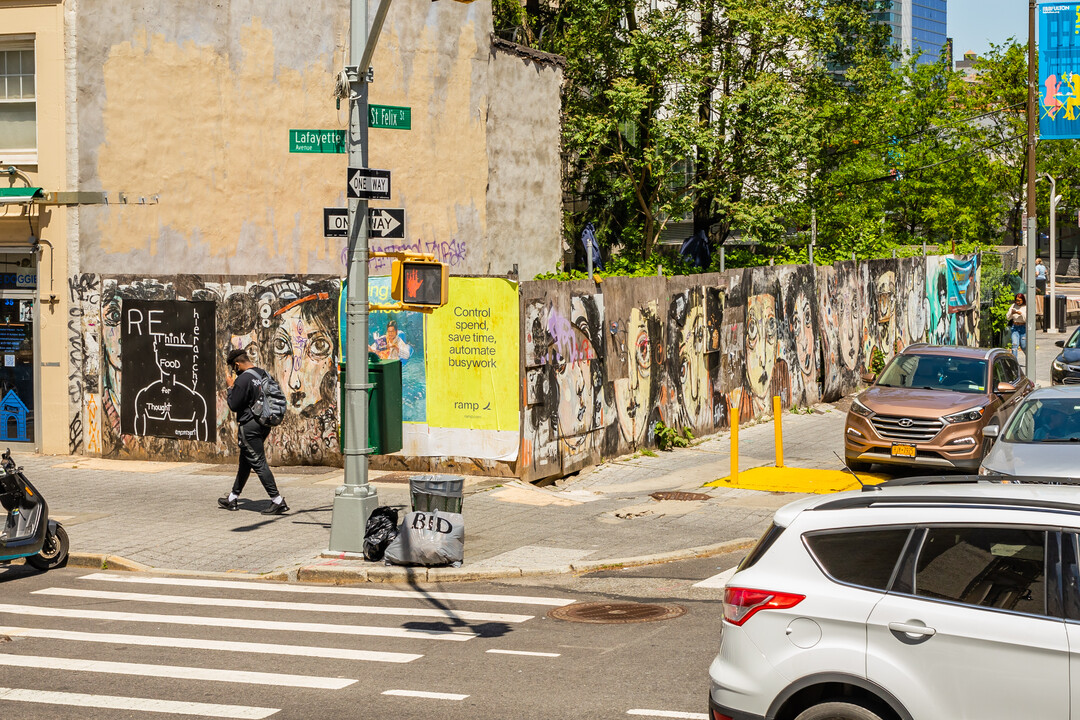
[165, 515]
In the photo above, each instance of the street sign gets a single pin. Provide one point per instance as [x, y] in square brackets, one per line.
[392, 117]
[317, 141]
[368, 184]
[387, 223]
[335, 222]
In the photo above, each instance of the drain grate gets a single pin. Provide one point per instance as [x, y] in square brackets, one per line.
[671, 495]
[616, 613]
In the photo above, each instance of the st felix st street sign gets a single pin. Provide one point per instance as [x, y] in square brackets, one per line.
[368, 184]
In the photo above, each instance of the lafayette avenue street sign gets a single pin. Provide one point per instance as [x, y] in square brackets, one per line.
[317, 141]
[368, 184]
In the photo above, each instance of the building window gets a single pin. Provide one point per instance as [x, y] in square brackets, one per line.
[18, 102]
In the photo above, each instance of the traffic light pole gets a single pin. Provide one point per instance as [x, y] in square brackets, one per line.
[1033, 215]
[354, 501]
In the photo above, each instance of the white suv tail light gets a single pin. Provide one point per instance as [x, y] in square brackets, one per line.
[740, 604]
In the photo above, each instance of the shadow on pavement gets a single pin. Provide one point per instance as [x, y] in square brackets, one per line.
[489, 629]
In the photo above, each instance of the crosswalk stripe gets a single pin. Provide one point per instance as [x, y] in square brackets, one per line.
[523, 652]
[718, 581]
[319, 590]
[220, 645]
[177, 672]
[424, 694]
[113, 702]
[669, 714]
[298, 606]
[238, 623]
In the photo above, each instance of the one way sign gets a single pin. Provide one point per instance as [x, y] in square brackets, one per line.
[368, 184]
[387, 223]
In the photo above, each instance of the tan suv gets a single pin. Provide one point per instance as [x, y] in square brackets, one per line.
[929, 406]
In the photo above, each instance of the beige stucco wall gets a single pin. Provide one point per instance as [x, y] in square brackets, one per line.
[196, 107]
[524, 143]
[45, 20]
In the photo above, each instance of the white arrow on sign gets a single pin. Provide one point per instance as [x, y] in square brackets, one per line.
[383, 222]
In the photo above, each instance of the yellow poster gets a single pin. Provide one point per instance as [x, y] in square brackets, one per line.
[472, 357]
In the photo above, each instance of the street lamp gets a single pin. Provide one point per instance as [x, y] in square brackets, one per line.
[355, 499]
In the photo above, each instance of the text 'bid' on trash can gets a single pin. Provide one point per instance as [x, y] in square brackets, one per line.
[384, 405]
[436, 492]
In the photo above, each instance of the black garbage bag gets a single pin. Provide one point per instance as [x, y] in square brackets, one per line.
[382, 528]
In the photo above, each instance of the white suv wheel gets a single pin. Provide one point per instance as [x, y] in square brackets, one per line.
[837, 711]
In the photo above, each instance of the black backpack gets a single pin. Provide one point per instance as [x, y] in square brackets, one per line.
[269, 405]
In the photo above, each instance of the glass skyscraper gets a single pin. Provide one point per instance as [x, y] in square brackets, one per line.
[918, 26]
[928, 29]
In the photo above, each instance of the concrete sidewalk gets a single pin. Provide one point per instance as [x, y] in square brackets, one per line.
[165, 515]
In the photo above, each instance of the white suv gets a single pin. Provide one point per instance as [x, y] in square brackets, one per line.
[922, 602]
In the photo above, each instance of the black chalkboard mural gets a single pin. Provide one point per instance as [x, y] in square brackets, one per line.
[167, 380]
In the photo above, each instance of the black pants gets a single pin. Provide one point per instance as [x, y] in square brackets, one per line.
[251, 436]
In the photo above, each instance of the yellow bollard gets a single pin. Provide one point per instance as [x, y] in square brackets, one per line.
[778, 430]
[734, 444]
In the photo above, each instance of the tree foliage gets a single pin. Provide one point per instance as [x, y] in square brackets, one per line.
[753, 117]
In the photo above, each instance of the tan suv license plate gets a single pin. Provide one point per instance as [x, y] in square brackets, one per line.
[903, 450]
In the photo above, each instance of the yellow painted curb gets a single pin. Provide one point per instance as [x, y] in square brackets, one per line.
[798, 480]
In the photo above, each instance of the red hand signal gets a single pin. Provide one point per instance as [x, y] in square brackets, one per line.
[412, 282]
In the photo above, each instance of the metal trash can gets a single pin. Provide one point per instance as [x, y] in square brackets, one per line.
[436, 492]
[1060, 309]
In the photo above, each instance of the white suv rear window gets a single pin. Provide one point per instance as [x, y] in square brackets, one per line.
[864, 557]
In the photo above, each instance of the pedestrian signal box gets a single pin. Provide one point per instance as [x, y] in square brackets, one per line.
[420, 283]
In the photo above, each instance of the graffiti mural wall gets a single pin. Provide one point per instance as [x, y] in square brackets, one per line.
[604, 364]
[288, 325]
[598, 366]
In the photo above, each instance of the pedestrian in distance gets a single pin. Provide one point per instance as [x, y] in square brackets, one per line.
[1040, 277]
[1016, 317]
[244, 382]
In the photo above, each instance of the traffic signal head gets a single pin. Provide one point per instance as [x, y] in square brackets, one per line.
[420, 283]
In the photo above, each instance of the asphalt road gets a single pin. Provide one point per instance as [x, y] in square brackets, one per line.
[77, 644]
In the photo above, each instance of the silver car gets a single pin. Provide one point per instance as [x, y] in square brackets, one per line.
[1041, 438]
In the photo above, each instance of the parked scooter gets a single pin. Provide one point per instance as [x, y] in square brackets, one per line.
[28, 532]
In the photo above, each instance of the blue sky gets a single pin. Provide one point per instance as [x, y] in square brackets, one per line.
[974, 24]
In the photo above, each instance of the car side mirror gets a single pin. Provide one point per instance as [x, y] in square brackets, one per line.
[1060, 343]
[991, 431]
[869, 378]
[1004, 388]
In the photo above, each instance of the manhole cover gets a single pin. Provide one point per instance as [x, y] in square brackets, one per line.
[669, 495]
[615, 613]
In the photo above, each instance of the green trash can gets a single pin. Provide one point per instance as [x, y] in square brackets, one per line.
[384, 405]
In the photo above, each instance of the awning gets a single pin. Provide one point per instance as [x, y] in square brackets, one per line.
[17, 195]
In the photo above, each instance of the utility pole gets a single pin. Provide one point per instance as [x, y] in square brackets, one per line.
[354, 501]
[1054, 200]
[1033, 218]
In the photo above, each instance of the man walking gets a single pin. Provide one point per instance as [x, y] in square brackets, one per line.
[243, 382]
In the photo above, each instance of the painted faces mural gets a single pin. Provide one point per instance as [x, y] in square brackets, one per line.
[838, 302]
[635, 394]
[801, 329]
[601, 369]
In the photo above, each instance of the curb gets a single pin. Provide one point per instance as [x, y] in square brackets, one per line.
[334, 574]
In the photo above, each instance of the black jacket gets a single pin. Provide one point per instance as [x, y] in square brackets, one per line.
[243, 393]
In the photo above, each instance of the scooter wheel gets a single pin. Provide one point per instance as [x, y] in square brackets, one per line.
[55, 552]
